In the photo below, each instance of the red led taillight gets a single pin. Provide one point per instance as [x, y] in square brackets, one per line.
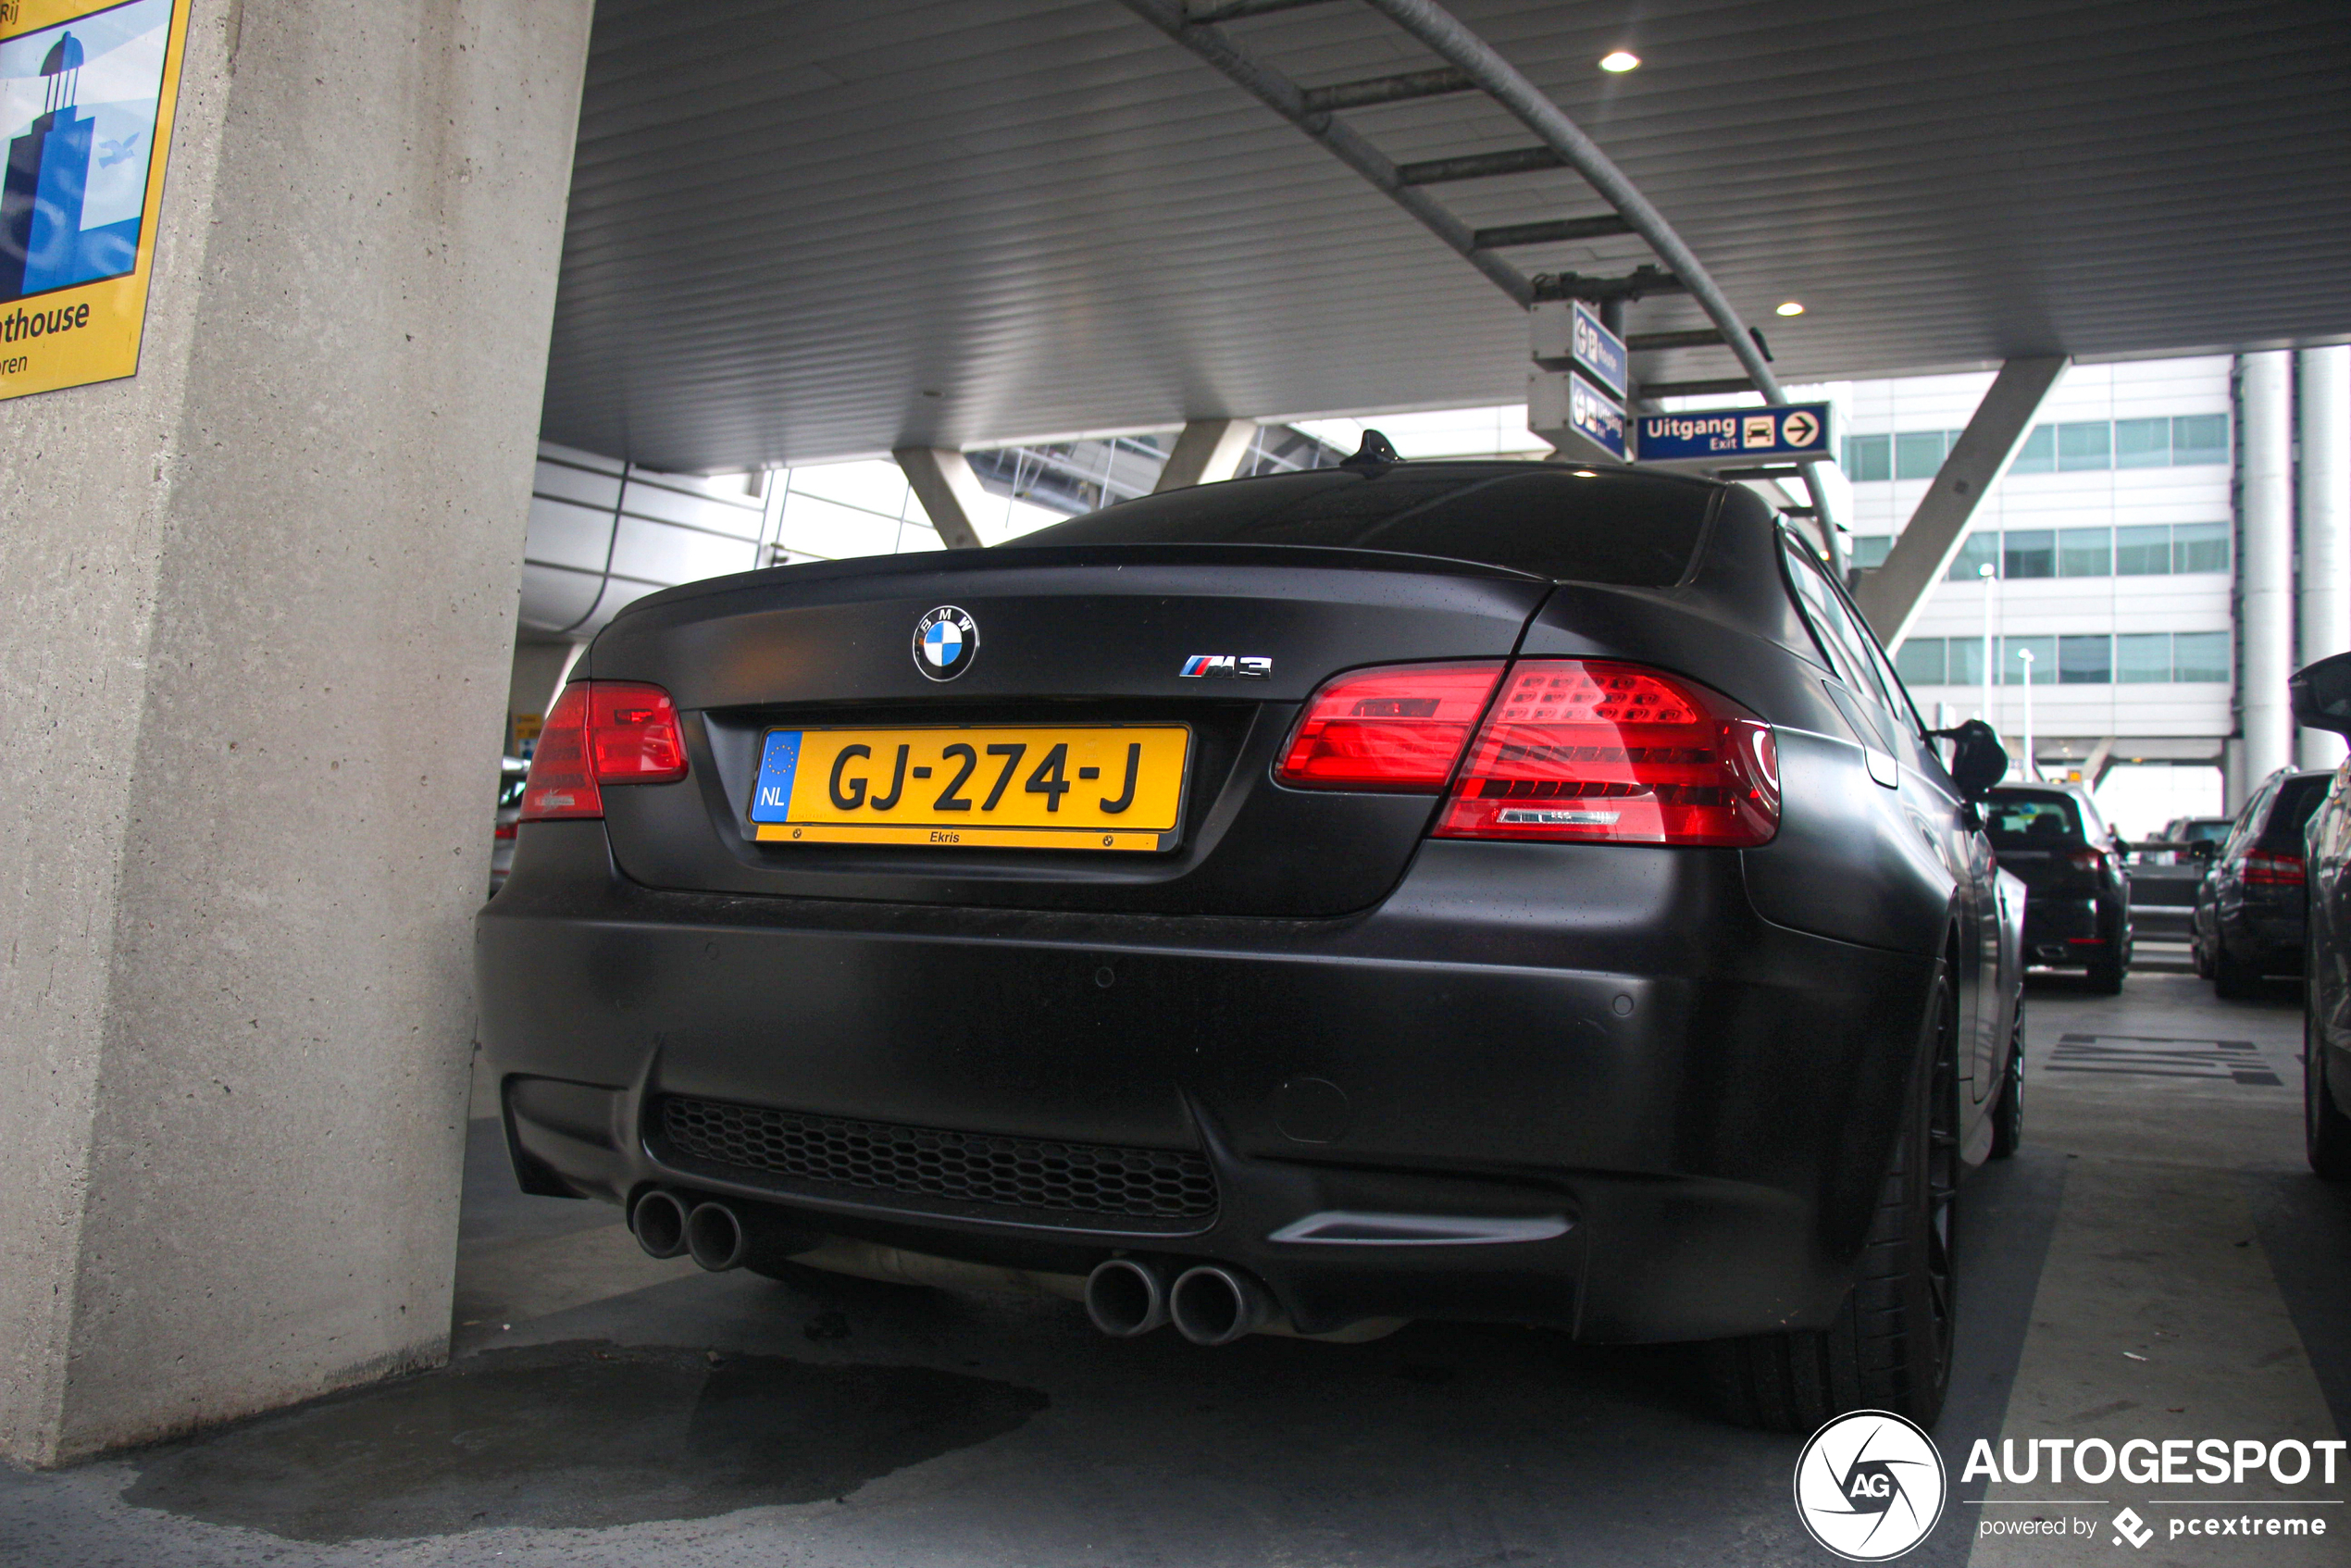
[2273, 870]
[2088, 860]
[602, 732]
[1587, 750]
[1399, 726]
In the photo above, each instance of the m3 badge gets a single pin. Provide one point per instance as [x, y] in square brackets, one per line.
[1225, 666]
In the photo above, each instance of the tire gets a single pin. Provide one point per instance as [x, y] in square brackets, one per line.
[2326, 1131]
[1889, 1347]
[2233, 978]
[2007, 1116]
[2106, 977]
[2202, 959]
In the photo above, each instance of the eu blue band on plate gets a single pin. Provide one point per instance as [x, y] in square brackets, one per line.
[778, 760]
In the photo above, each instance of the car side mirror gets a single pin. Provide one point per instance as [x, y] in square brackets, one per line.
[1978, 760]
[2320, 694]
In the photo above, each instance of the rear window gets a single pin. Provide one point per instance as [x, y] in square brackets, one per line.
[1630, 531]
[2298, 798]
[2032, 822]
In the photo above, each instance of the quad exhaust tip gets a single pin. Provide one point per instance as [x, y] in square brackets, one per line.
[659, 1224]
[1126, 1297]
[1216, 1305]
[715, 1236]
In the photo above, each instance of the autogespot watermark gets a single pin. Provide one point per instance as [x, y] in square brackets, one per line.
[1870, 1487]
[2179, 1464]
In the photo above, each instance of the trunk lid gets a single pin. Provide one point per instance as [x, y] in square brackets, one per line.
[1070, 637]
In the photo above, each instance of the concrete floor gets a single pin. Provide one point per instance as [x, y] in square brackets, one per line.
[2156, 1263]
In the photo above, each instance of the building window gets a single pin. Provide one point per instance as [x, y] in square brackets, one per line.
[2085, 661]
[2044, 660]
[1869, 457]
[1869, 550]
[2199, 438]
[2085, 552]
[2200, 656]
[2142, 657]
[1918, 454]
[2028, 553]
[2143, 443]
[2039, 455]
[1920, 662]
[2086, 446]
[1963, 660]
[2199, 547]
[1977, 551]
[2143, 551]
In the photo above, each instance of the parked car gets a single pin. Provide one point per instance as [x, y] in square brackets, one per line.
[2165, 871]
[512, 772]
[2321, 696]
[2077, 908]
[1471, 891]
[2249, 913]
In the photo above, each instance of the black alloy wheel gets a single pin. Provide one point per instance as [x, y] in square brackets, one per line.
[2326, 1131]
[2007, 1116]
[1890, 1345]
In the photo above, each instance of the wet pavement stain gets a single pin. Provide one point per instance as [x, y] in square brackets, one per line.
[577, 1434]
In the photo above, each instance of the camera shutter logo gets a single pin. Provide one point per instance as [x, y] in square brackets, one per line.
[946, 642]
[1870, 1485]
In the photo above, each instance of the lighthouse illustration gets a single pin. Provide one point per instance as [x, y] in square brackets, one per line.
[42, 242]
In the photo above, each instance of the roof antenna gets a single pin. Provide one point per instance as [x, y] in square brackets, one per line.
[1375, 456]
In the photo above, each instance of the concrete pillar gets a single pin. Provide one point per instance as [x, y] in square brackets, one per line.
[263, 598]
[1209, 452]
[2265, 561]
[943, 481]
[2324, 418]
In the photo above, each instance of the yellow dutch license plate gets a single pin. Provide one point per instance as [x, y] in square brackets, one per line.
[1097, 786]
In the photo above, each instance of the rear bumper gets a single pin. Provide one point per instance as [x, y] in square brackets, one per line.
[1689, 1109]
[2073, 930]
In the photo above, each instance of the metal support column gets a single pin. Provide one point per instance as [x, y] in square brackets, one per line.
[950, 492]
[1892, 595]
[1209, 452]
[2322, 415]
[2265, 562]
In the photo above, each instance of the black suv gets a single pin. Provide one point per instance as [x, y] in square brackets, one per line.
[2077, 897]
[2249, 906]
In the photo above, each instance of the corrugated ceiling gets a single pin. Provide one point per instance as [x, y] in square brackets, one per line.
[812, 229]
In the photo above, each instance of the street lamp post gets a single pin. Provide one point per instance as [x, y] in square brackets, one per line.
[2031, 772]
[1984, 574]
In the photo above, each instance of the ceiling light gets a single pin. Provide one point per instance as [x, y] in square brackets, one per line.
[1791, 307]
[1620, 61]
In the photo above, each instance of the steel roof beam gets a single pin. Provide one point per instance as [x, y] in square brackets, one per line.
[1478, 166]
[1235, 10]
[1449, 41]
[1288, 99]
[1551, 232]
[1388, 90]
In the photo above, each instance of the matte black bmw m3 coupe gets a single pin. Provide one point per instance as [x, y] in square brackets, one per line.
[1469, 891]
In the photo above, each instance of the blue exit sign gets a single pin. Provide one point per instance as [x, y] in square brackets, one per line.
[1793, 430]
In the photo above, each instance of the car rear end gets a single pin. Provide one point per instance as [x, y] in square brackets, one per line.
[2075, 886]
[1371, 923]
[2268, 915]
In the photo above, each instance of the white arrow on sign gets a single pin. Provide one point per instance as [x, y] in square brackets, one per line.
[1799, 428]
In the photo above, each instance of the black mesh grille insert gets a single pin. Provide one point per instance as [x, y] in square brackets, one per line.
[979, 1168]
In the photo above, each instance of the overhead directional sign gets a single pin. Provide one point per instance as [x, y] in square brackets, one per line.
[1597, 352]
[1799, 431]
[1594, 416]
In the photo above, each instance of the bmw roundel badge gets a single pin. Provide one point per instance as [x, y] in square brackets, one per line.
[946, 642]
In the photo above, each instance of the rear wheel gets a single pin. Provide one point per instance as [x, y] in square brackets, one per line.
[2106, 976]
[2326, 1131]
[1889, 1347]
[2007, 1116]
[2232, 978]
